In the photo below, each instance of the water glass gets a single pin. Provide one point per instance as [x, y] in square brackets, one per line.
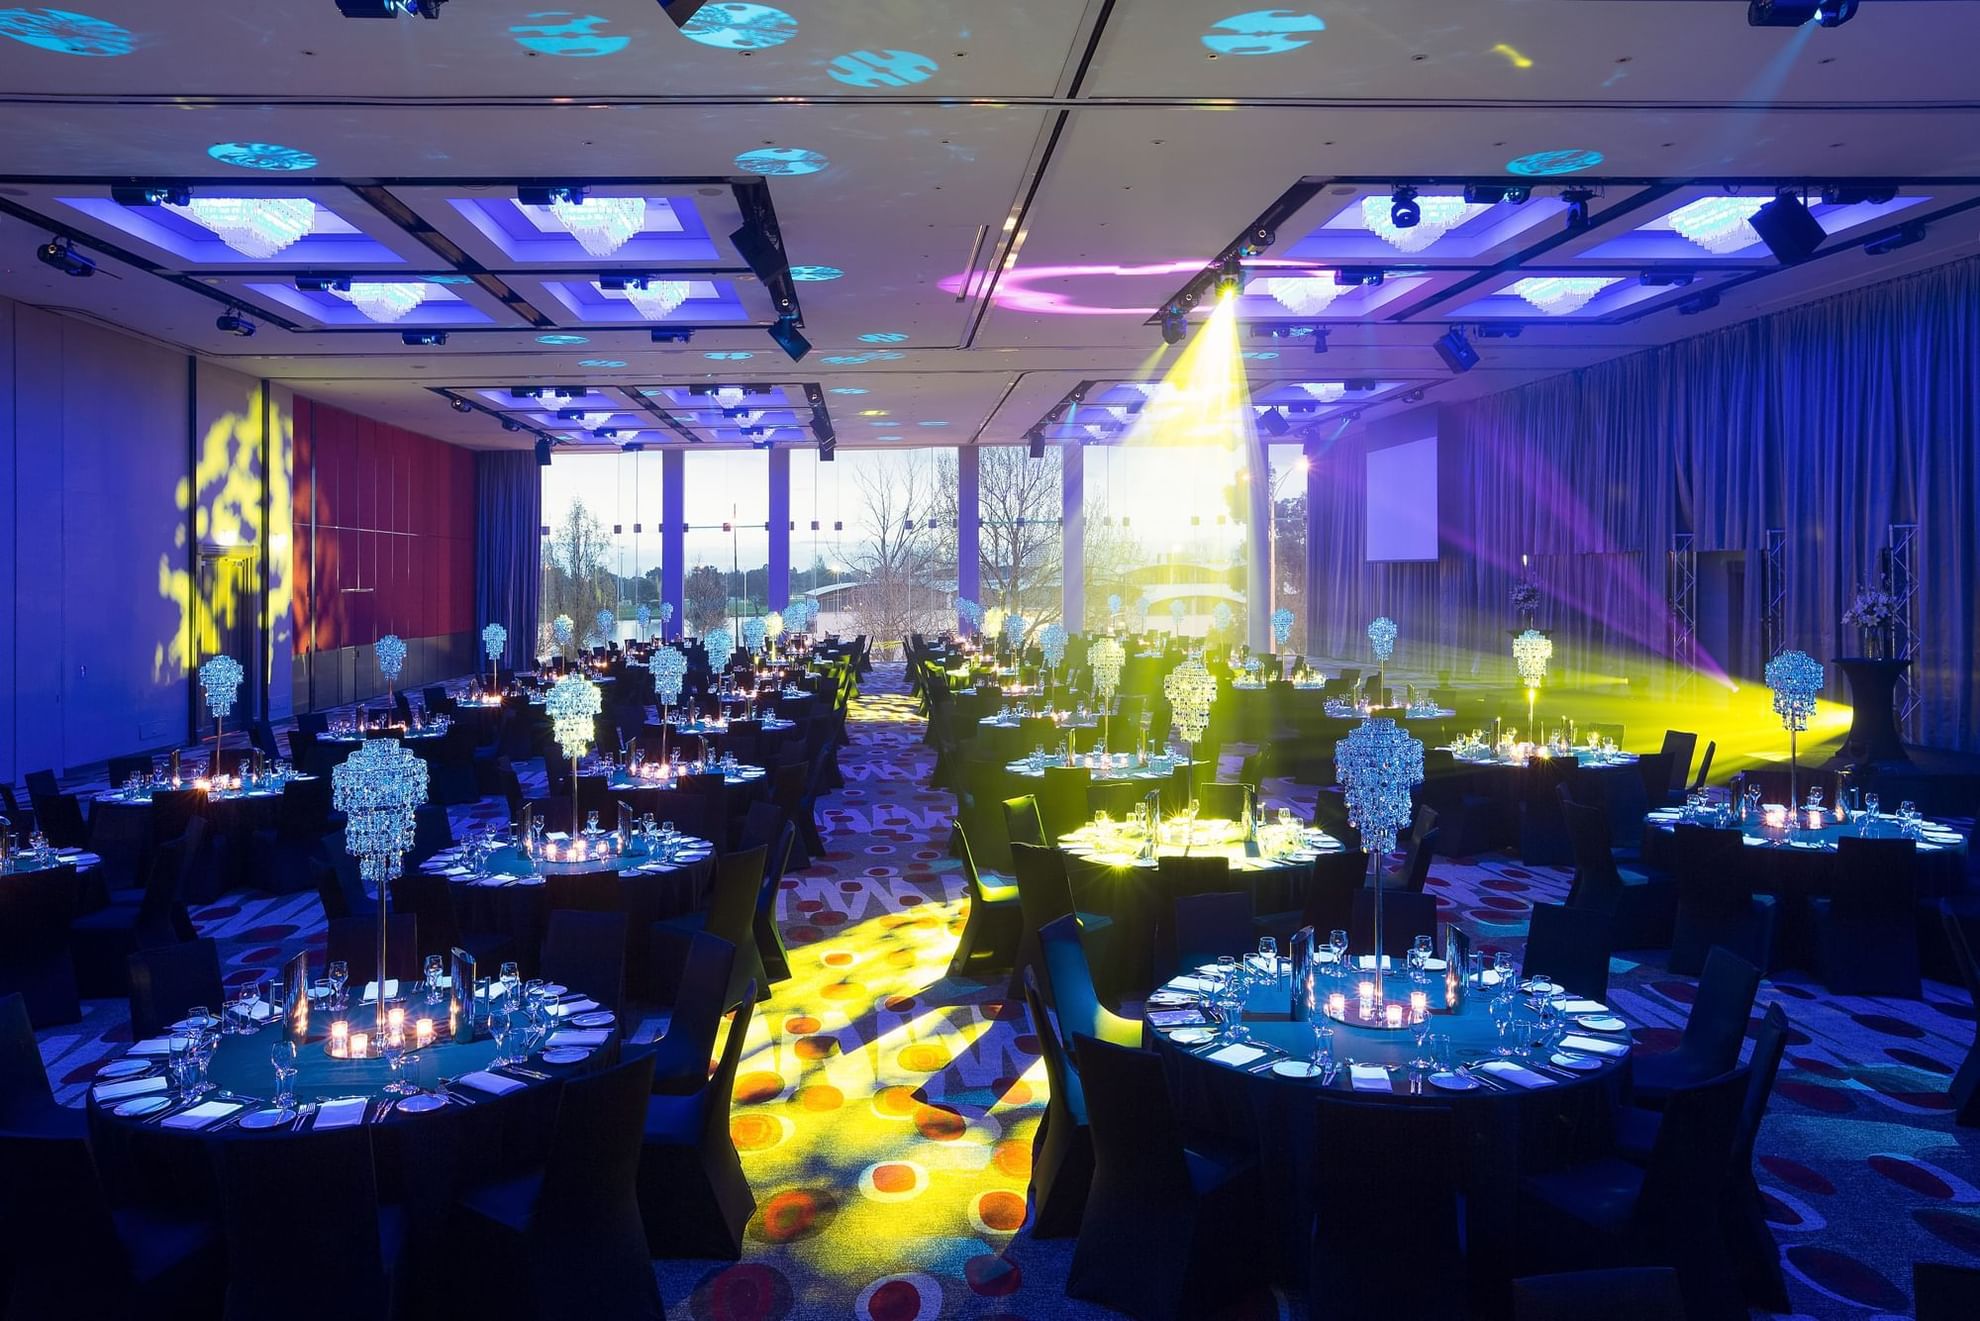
[394, 1050]
[436, 971]
[1323, 1046]
[244, 1002]
[282, 1055]
[511, 978]
[591, 822]
[340, 980]
[1441, 1052]
[1502, 1012]
[1268, 956]
[1502, 970]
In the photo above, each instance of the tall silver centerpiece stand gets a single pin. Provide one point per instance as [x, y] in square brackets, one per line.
[378, 788]
[1378, 764]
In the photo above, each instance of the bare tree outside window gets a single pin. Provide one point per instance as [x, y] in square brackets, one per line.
[575, 579]
[1022, 548]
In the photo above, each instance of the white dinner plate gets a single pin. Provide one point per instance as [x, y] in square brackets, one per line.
[1454, 1082]
[1579, 1063]
[564, 1055]
[267, 1119]
[555, 988]
[598, 1018]
[141, 1105]
[1191, 1036]
[189, 1022]
[420, 1103]
[1542, 988]
[124, 1068]
[1296, 1069]
[1602, 1023]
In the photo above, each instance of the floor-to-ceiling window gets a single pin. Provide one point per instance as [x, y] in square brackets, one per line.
[874, 540]
[1166, 525]
[601, 545]
[727, 546]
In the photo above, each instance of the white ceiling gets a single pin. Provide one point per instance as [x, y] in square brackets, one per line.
[1069, 134]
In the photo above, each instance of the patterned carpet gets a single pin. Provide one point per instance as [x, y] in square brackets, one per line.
[884, 1111]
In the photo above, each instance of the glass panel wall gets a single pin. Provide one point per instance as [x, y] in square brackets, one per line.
[1288, 544]
[874, 540]
[1022, 550]
[593, 559]
[727, 547]
[1165, 524]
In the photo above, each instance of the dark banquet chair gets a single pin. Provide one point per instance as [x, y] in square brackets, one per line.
[701, 1001]
[1570, 946]
[1963, 935]
[1355, 1260]
[1943, 1292]
[730, 914]
[36, 959]
[994, 923]
[1640, 906]
[691, 1192]
[67, 1251]
[347, 1265]
[170, 979]
[586, 951]
[1713, 1033]
[1716, 904]
[569, 1231]
[1069, 990]
[1626, 1293]
[1867, 926]
[1150, 1188]
[1044, 895]
[1405, 916]
[27, 1102]
[1023, 822]
[1062, 1145]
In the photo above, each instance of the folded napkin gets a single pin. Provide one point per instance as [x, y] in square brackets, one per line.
[341, 1114]
[1175, 1017]
[1193, 985]
[1514, 1073]
[1583, 1007]
[579, 1006]
[203, 1115]
[1594, 1045]
[117, 1091]
[454, 871]
[493, 1083]
[1367, 962]
[391, 989]
[152, 1046]
[1369, 1078]
[596, 1036]
[1237, 1055]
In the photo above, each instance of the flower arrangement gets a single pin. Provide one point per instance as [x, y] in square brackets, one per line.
[1052, 641]
[391, 652]
[1014, 627]
[645, 617]
[666, 613]
[1525, 598]
[1382, 637]
[1872, 609]
[605, 624]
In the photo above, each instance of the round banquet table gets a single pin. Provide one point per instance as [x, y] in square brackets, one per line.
[1504, 1129]
[91, 886]
[1525, 813]
[1110, 878]
[1801, 864]
[421, 1158]
[123, 822]
[1118, 769]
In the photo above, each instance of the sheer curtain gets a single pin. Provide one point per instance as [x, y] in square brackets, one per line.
[508, 546]
[1831, 421]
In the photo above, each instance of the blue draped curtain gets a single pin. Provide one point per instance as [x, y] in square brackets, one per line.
[508, 548]
[1831, 421]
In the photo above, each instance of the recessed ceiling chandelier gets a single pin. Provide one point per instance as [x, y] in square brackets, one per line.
[1325, 391]
[1439, 215]
[1306, 295]
[1720, 225]
[729, 396]
[252, 226]
[658, 299]
[385, 301]
[601, 225]
[1561, 295]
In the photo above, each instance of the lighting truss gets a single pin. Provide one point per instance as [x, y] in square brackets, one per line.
[1773, 586]
[1900, 564]
[1683, 603]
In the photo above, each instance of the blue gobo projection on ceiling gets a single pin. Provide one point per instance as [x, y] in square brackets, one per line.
[781, 160]
[740, 26]
[575, 36]
[1263, 32]
[66, 32]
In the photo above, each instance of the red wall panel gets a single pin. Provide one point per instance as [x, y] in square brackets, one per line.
[384, 531]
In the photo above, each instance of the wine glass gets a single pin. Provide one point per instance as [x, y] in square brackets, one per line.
[511, 978]
[1501, 1010]
[591, 822]
[394, 1050]
[436, 970]
[282, 1055]
[1323, 1047]
[1502, 972]
[1337, 941]
[340, 979]
[1268, 956]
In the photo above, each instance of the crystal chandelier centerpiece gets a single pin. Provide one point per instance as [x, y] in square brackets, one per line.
[720, 644]
[1190, 689]
[1439, 215]
[378, 788]
[656, 299]
[1720, 225]
[1561, 295]
[258, 227]
[1106, 656]
[1382, 637]
[385, 301]
[601, 225]
[669, 668]
[1532, 649]
[1303, 295]
[573, 705]
[1794, 678]
[1378, 764]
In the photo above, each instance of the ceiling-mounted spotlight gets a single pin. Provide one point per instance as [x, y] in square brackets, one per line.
[1577, 200]
[510, 424]
[1414, 396]
[1272, 422]
[1320, 339]
[423, 339]
[1902, 237]
[547, 194]
[1359, 275]
[1484, 194]
[323, 284]
[1666, 279]
[1404, 213]
[62, 255]
[605, 433]
[671, 336]
[1456, 351]
[1175, 324]
[524, 392]
[1230, 276]
[1856, 194]
[459, 405]
[234, 322]
[542, 452]
[1793, 13]
[1499, 329]
[786, 335]
[1703, 301]
[1258, 240]
[1790, 231]
[150, 194]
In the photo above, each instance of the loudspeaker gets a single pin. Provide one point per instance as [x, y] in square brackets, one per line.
[1788, 230]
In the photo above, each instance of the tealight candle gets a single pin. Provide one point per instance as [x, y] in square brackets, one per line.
[395, 1019]
[1365, 991]
[423, 1031]
[1337, 1005]
[1393, 1013]
[340, 1032]
[1419, 1005]
[360, 1045]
